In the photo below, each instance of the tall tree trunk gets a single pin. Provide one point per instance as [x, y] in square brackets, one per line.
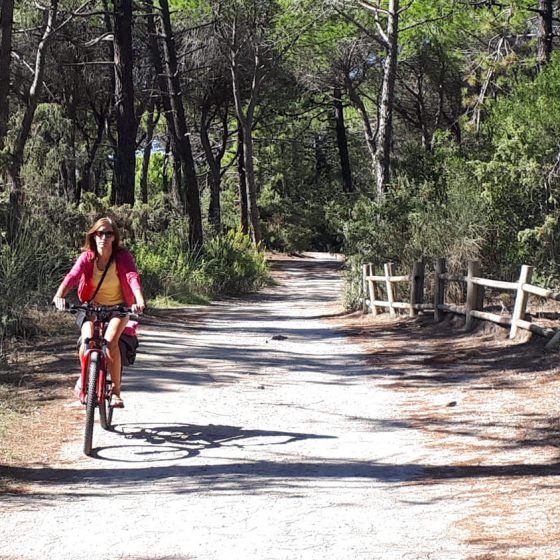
[164, 96]
[85, 184]
[243, 205]
[16, 158]
[322, 166]
[545, 33]
[6, 24]
[422, 115]
[385, 134]
[214, 164]
[98, 178]
[342, 142]
[150, 127]
[125, 162]
[165, 165]
[369, 132]
[251, 184]
[73, 187]
[63, 188]
[245, 119]
[184, 149]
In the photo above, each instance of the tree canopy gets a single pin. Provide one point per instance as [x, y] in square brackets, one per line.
[354, 125]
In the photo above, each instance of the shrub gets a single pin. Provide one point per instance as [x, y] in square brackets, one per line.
[167, 264]
[231, 264]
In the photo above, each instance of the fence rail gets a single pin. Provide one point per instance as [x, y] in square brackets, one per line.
[374, 285]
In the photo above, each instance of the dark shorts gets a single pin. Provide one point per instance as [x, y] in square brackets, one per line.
[80, 318]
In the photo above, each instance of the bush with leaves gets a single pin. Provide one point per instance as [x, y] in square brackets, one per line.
[231, 264]
[440, 215]
[167, 264]
[520, 179]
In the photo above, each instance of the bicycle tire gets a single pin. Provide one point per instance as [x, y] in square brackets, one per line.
[105, 410]
[91, 401]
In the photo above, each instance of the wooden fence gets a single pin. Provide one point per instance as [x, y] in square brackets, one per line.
[374, 286]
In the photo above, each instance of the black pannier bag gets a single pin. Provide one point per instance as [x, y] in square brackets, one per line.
[128, 344]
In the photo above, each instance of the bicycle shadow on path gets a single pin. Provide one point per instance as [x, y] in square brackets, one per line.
[189, 440]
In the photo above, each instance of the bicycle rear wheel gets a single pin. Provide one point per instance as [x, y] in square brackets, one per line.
[91, 400]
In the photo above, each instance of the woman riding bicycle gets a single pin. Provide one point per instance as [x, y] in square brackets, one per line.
[105, 274]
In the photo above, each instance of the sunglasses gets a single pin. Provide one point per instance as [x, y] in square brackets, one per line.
[102, 233]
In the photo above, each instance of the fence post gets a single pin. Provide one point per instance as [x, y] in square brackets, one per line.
[371, 288]
[439, 289]
[521, 298]
[416, 287]
[364, 288]
[553, 343]
[473, 296]
[389, 271]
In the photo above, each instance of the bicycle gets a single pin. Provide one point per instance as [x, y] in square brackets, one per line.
[95, 377]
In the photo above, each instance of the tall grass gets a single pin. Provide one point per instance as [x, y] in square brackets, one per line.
[31, 265]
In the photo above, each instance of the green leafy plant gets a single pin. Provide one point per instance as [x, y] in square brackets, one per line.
[231, 264]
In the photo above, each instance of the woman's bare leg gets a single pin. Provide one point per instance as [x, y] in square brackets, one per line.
[87, 332]
[112, 334]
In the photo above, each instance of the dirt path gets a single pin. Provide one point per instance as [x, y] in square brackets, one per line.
[263, 432]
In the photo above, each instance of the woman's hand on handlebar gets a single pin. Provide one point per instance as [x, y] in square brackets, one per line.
[140, 304]
[59, 303]
[138, 308]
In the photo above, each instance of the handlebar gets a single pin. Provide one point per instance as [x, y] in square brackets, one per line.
[103, 310]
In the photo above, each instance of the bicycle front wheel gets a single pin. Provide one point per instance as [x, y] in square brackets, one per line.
[91, 400]
[105, 410]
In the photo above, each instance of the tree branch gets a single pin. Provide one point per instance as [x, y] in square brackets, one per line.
[406, 7]
[372, 7]
[363, 29]
[71, 17]
[107, 36]
[423, 22]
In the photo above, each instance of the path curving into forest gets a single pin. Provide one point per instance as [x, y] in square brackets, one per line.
[258, 431]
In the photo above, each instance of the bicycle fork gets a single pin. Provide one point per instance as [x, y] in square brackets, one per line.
[84, 374]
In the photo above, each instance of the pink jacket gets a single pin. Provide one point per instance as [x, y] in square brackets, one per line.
[82, 273]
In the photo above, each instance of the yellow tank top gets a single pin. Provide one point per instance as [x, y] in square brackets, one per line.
[110, 292]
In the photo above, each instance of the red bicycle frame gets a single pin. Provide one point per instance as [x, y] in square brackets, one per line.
[94, 344]
[94, 362]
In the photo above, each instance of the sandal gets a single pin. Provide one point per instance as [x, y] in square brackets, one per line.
[116, 402]
[77, 388]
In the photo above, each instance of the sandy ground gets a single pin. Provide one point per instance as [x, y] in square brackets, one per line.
[265, 431]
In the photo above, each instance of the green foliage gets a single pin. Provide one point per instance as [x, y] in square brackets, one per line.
[31, 266]
[227, 264]
[490, 192]
[455, 230]
[296, 224]
[353, 283]
[155, 175]
[167, 265]
[441, 215]
[231, 264]
[520, 182]
[378, 231]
